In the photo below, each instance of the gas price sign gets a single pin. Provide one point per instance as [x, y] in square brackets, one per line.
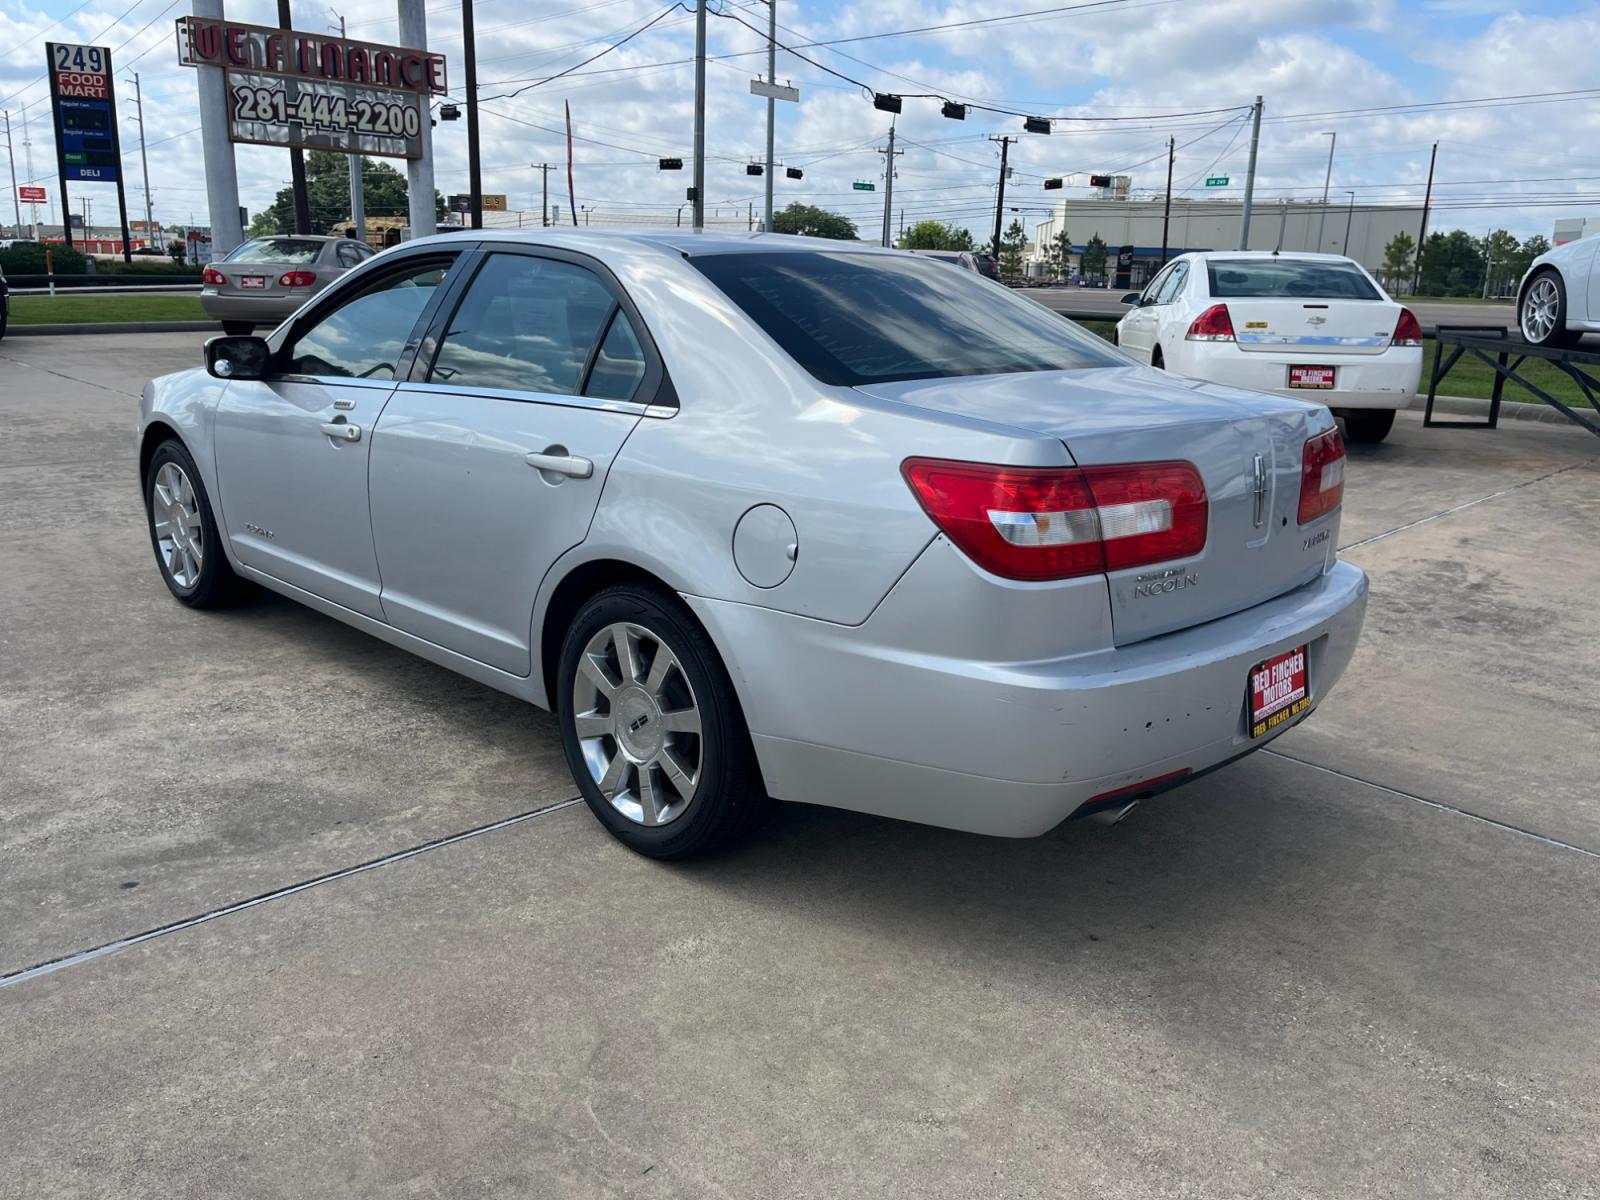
[85, 112]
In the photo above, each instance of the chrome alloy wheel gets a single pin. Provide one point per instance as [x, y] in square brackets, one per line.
[1539, 309]
[175, 512]
[637, 723]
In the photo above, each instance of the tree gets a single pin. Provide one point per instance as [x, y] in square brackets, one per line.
[1011, 247]
[808, 220]
[177, 251]
[1452, 265]
[1060, 254]
[935, 235]
[328, 190]
[1094, 256]
[1397, 259]
[1501, 251]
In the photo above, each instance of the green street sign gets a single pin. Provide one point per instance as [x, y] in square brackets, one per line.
[1217, 181]
[865, 187]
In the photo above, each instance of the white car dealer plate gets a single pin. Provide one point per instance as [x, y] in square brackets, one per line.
[1280, 690]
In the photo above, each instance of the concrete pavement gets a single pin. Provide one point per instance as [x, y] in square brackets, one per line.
[1280, 981]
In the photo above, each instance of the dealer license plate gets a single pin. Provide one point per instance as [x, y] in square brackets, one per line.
[1320, 378]
[1279, 691]
[252, 281]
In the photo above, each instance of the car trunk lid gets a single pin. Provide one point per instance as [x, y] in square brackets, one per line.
[1247, 448]
[1317, 328]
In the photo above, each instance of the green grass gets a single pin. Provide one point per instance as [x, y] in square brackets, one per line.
[78, 310]
[1469, 377]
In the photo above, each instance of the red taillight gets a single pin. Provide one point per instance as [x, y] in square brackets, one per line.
[1062, 522]
[1213, 325]
[296, 279]
[1407, 332]
[213, 277]
[1321, 476]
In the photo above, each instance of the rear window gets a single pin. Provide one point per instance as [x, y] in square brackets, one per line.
[1243, 279]
[295, 251]
[855, 319]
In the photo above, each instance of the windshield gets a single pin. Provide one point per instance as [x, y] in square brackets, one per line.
[856, 319]
[296, 251]
[1246, 278]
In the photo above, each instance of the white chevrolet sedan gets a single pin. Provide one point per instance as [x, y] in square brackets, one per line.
[1314, 326]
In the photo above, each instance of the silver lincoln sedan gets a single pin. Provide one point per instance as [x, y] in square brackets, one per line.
[763, 517]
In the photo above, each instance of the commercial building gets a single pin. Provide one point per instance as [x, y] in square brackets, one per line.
[1362, 231]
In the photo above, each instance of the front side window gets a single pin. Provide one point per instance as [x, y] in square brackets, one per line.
[1152, 290]
[526, 324]
[294, 251]
[1174, 283]
[364, 336]
[1287, 278]
[851, 318]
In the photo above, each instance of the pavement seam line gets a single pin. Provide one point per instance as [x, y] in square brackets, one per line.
[72, 960]
[1441, 805]
[1378, 537]
[69, 378]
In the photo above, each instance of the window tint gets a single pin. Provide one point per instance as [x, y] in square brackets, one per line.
[1152, 290]
[349, 255]
[526, 324]
[855, 318]
[1243, 278]
[364, 336]
[619, 366]
[1174, 283]
[295, 251]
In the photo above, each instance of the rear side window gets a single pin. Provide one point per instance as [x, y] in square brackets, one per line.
[295, 251]
[526, 324]
[349, 255]
[1245, 278]
[855, 319]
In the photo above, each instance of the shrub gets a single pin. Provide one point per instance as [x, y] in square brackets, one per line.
[29, 260]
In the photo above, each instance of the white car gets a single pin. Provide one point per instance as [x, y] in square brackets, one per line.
[1559, 299]
[1314, 326]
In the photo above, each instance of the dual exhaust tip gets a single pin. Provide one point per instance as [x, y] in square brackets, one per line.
[1111, 816]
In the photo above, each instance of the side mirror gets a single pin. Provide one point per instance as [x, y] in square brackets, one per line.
[1130, 298]
[237, 357]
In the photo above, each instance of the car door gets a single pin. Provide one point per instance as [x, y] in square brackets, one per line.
[292, 448]
[488, 464]
[1168, 311]
[1138, 331]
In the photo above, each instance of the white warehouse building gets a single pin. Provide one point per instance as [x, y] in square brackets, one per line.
[1133, 229]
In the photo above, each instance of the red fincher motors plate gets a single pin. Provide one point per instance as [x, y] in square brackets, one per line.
[1317, 378]
[1279, 691]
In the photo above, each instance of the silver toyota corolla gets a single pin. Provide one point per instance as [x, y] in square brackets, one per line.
[766, 517]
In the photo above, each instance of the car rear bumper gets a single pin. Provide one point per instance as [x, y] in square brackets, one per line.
[1385, 380]
[269, 309]
[841, 718]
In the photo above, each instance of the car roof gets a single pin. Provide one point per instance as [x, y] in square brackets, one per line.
[678, 242]
[1273, 255]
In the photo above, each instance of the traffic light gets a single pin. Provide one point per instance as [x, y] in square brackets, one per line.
[669, 164]
[1100, 181]
[794, 172]
[1051, 185]
[1036, 124]
[753, 169]
[956, 112]
[886, 101]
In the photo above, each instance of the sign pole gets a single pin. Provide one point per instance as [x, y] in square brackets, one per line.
[222, 173]
[122, 195]
[61, 156]
[297, 158]
[419, 171]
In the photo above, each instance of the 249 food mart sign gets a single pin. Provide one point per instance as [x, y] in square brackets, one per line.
[85, 110]
[288, 88]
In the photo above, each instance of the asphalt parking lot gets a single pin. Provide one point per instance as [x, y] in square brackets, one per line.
[1360, 963]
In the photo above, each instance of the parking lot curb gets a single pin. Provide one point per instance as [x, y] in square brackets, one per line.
[1510, 410]
[52, 330]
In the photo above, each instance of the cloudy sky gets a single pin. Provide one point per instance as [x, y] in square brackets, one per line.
[1485, 78]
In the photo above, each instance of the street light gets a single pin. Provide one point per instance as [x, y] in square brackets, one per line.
[1348, 216]
[1333, 140]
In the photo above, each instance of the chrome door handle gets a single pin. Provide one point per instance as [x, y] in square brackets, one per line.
[342, 430]
[561, 464]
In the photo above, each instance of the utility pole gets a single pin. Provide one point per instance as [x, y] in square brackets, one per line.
[297, 158]
[470, 62]
[144, 163]
[772, 104]
[358, 189]
[1000, 197]
[750, 215]
[1166, 215]
[16, 196]
[1322, 221]
[1250, 178]
[544, 204]
[1349, 216]
[1488, 260]
[1422, 234]
[700, 115]
[888, 183]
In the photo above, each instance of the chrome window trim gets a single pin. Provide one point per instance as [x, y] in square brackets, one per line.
[555, 399]
[332, 381]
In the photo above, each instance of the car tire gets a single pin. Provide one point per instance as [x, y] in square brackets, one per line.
[183, 532]
[1156, 360]
[1368, 425]
[659, 748]
[1542, 311]
[238, 328]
